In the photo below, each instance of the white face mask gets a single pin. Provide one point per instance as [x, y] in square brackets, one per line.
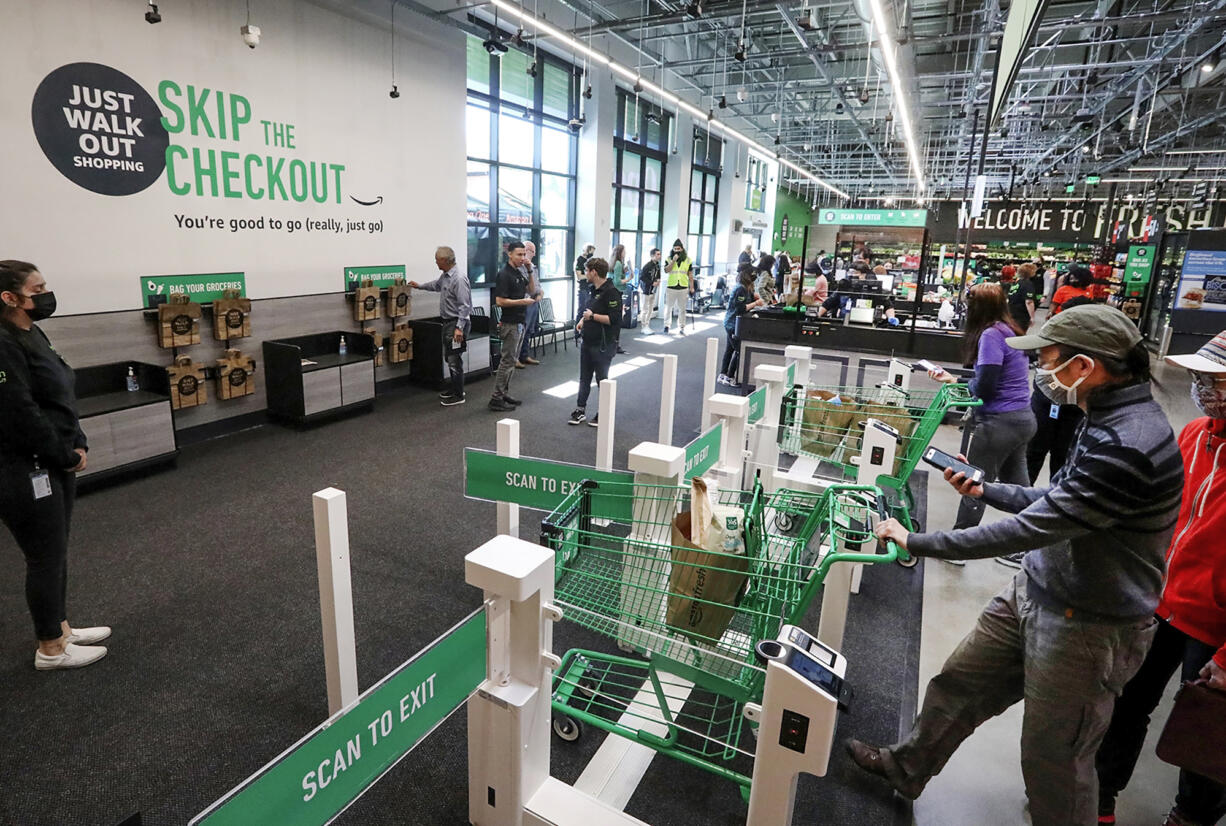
[1057, 391]
[1209, 400]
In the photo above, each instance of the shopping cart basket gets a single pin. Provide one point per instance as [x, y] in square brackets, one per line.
[826, 424]
[616, 576]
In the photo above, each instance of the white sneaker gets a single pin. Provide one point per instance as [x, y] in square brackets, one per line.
[74, 656]
[89, 636]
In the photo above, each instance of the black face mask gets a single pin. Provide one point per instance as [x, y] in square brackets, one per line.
[44, 306]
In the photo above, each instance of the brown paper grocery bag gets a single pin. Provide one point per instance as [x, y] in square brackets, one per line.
[186, 383]
[366, 301]
[399, 299]
[824, 424]
[235, 375]
[704, 584]
[231, 316]
[402, 344]
[178, 322]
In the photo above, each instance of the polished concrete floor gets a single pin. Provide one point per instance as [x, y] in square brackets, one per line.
[982, 783]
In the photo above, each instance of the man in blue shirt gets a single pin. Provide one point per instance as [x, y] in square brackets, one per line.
[455, 307]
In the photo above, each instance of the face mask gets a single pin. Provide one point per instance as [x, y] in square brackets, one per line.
[44, 306]
[1209, 400]
[1055, 390]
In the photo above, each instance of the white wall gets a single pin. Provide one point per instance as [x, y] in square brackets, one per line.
[325, 72]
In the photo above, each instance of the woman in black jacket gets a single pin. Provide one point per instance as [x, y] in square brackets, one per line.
[41, 448]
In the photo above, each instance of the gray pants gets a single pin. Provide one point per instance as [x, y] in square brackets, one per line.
[1067, 670]
[454, 356]
[998, 446]
[512, 335]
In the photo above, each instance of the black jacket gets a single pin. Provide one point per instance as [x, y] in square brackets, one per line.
[38, 400]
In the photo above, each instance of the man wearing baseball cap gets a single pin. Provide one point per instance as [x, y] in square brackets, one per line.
[1075, 622]
[1191, 635]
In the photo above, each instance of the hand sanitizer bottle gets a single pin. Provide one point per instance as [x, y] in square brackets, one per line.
[344, 347]
[133, 384]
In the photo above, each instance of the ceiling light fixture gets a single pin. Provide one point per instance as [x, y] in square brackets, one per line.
[1210, 62]
[665, 97]
[152, 15]
[886, 45]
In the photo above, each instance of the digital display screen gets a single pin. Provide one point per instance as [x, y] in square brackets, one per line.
[823, 655]
[815, 673]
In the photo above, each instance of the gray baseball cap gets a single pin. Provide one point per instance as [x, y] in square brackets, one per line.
[1091, 328]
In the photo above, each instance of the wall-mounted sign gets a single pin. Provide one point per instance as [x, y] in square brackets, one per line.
[1094, 180]
[1061, 222]
[1203, 283]
[1138, 268]
[380, 276]
[200, 288]
[873, 217]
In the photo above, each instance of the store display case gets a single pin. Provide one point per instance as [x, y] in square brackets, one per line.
[430, 350]
[309, 377]
[125, 414]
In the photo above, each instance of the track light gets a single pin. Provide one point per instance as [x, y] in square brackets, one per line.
[587, 93]
[739, 54]
[494, 47]
[1210, 62]
[395, 93]
[532, 69]
[638, 85]
[723, 101]
[518, 37]
[838, 108]
[777, 140]
[152, 15]
[864, 96]
[653, 117]
[1085, 149]
[741, 94]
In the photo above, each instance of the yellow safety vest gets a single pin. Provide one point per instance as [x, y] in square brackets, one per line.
[679, 276]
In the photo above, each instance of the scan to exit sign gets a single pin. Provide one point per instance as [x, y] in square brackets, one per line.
[1093, 179]
[1071, 188]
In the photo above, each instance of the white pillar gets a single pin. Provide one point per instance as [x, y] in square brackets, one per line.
[335, 597]
[733, 411]
[508, 717]
[605, 426]
[801, 356]
[508, 445]
[764, 443]
[708, 381]
[668, 399]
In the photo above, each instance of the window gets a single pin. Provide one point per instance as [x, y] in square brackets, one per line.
[521, 160]
[640, 146]
[755, 188]
[704, 195]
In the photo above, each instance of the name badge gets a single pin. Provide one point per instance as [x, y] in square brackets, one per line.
[40, 481]
[1055, 412]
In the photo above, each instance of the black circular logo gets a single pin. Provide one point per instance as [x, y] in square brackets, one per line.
[234, 319]
[100, 128]
[369, 302]
[181, 325]
[402, 301]
[403, 345]
[187, 386]
[238, 377]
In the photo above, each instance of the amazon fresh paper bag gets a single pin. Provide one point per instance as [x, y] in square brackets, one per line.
[705, 580]
[825, 421]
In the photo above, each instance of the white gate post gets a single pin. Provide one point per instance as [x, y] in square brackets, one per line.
[899, 375]
[604, 427]
[668, 399]
[708, 382]
[508, 445]
[733, 411]
[802, 357]
[764, 442]
[335, 597]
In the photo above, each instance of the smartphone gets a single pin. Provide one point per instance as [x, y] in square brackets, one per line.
[940, 459]
[927, 366]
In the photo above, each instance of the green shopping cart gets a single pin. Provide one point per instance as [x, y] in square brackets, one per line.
[825, 424]
[626, 579]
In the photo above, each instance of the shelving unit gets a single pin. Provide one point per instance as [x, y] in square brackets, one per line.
[307, 378]
[430, 351]
[126, 429]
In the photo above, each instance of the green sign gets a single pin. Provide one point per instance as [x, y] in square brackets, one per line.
[874, 217]
[201, 288]
[1071, 188]
[757, 405]
[537, 483]
[333, 765]
[1138, 268]
[381, 276]
[702, 453]
[1094, 180]
[792, 374]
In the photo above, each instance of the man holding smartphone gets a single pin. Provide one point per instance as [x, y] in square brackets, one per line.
[1073, 625]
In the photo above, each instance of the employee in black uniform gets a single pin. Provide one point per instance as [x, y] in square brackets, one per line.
[600, 328]
[41, 448]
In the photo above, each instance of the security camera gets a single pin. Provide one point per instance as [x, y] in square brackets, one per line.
[395, 93]
[152, 16]
[723, 101]
[251, 35]
[494, 47]
[575, 124]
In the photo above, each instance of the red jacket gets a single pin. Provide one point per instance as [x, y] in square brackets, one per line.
[1194, 599]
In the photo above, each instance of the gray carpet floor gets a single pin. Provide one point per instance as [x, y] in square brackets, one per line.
[207, 573]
